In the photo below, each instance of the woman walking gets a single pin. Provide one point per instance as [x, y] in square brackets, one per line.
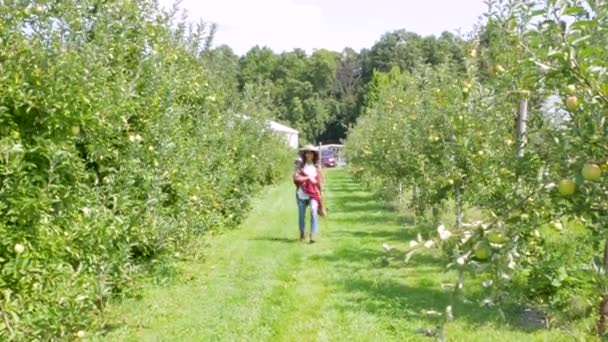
[308, 181]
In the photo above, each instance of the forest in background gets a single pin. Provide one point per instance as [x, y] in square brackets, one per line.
[323, 93]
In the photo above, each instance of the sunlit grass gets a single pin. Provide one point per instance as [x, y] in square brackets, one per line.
[260, 284]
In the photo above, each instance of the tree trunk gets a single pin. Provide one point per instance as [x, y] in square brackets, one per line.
[606, 254]
[400, 195]
[415, 199]
[603, 313]
[522, 118]
[601, 324]
[459, 214]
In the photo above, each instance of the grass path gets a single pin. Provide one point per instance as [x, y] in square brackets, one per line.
[259, 283]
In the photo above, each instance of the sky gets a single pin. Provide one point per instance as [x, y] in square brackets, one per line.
[284, 25]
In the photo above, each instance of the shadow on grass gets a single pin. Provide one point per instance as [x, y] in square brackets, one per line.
[109, 327]
[364, 259]
[395, 299]
[368, 222]
[276, 239]
[384, 235]
[350, 196]
[362, 278]
[362, 207]
[361, 271]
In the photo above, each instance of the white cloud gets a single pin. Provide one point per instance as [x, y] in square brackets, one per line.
[280, 24]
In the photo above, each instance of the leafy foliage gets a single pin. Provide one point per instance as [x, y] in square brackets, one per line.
[117, 145]
[322, 94]
[453, 138]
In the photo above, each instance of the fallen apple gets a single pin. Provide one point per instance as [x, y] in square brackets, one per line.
[19, 248]
[556, 225]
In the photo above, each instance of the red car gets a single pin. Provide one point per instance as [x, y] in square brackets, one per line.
[328, 158]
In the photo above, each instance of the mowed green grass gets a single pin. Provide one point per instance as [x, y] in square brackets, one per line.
[259, 283]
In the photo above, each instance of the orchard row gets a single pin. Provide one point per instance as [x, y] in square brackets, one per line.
[119, 144]
[519, 138]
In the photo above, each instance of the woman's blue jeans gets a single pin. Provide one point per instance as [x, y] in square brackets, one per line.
[314, 215]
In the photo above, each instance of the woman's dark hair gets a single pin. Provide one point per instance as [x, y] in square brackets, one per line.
[315, 159]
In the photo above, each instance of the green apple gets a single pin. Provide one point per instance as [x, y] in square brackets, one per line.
[482, 251]
[19, 248]
[566, 187]
[572, 103]
[496, 237]
[591, 172]
[571, 89]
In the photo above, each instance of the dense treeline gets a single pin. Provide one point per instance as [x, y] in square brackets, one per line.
[514, 146]
[119, 142]
[322, 94]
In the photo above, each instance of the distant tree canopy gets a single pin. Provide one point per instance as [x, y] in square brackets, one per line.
[321, 94]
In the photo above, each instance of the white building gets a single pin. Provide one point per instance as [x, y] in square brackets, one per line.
[291, 135]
